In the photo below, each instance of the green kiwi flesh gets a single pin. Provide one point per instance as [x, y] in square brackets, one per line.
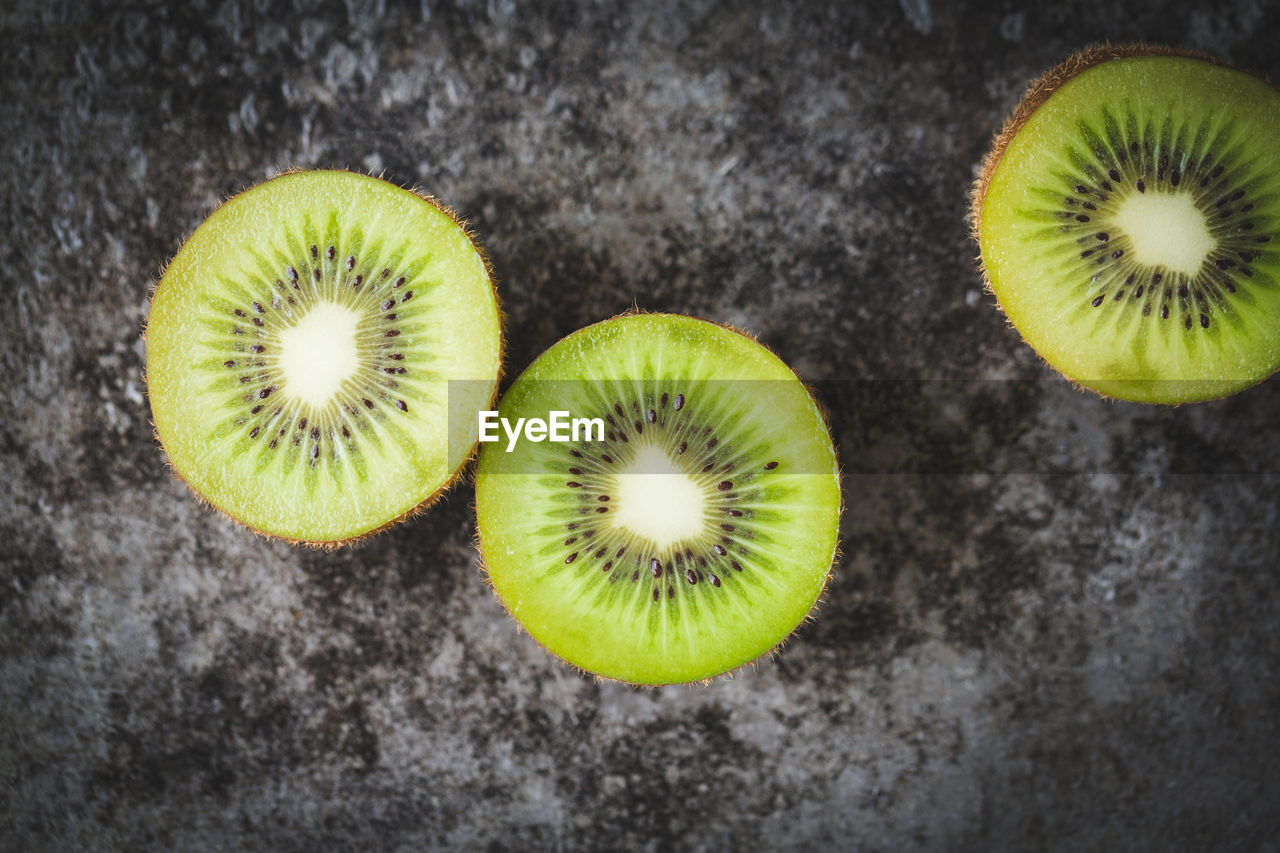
[300, 349]
[695, 536]
[1128, 217]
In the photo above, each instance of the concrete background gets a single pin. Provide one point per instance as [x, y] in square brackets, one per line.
[1054, 625]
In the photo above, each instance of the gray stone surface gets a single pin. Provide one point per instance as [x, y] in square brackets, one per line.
[1054, 625]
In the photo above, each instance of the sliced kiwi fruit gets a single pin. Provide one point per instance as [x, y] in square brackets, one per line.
[300, 352]
[687, 536]
[1128, 219]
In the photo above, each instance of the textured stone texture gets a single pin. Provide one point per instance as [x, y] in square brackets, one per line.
[1054, 625]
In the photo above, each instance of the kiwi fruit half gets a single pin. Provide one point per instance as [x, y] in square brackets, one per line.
[687, 536]
[1127, 218]
[300, 352]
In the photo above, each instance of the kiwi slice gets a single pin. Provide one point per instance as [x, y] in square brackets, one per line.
[1128, 216]
[687, 536]
[300, 352]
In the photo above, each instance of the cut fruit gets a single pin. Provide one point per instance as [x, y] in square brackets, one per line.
[305, 348]
[699, 529]
[1128, 219]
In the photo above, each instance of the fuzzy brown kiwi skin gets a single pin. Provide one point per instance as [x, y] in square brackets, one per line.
[438, 494]
[818, 602]
[1038, 91]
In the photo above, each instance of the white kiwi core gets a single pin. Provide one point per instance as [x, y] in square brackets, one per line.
[318, 353]
[656, 500]
[1166, 230]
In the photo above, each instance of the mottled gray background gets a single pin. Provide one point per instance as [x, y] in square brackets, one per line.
[1054, 625]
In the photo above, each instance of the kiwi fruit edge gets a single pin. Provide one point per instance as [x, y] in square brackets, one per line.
[166, 310]
[1247, 369]
[542, 514]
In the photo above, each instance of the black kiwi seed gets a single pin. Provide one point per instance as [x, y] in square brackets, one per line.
[1138, 160]
[681, 563]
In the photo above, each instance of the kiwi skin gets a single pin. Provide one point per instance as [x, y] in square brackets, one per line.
[1038, 91]
[468, 460]
[832, 566]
